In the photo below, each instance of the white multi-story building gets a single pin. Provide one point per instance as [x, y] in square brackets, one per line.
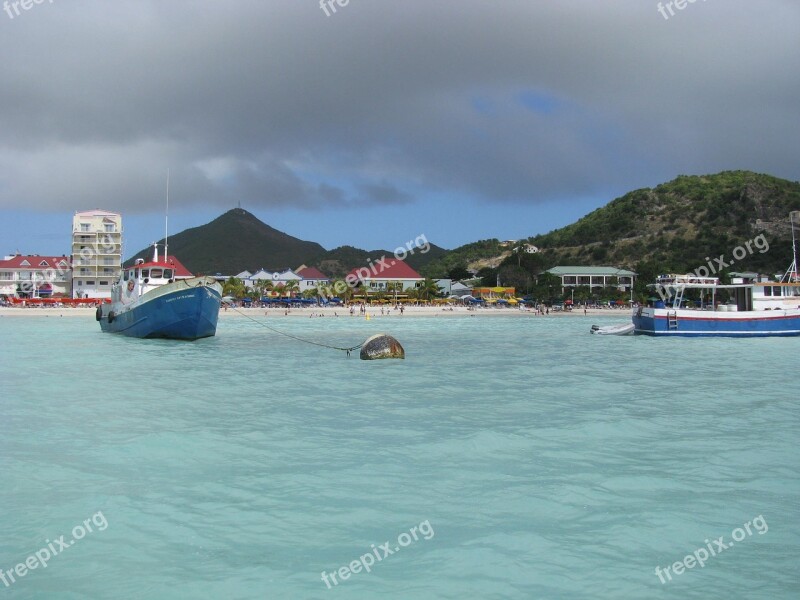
[96, 253]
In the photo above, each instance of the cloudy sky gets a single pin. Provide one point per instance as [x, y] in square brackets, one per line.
[459, 119]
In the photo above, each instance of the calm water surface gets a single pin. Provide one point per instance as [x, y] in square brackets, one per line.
[533, 460]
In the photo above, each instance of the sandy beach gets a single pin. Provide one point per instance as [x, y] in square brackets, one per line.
[374, 312]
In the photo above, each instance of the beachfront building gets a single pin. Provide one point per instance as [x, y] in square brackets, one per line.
[460, 289]
[445, 286]
[96, 253]
[274, 283]
[312, 278]
[387, 276]
[594, 277]
[35, 276]
[276, 277]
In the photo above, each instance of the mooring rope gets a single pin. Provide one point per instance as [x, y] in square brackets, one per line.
[294, 337]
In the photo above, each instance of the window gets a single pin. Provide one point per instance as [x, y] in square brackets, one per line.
[767, 290]
[776, 291]
[109, 228]
[84, 226]
[90, 282]
[80, 282]
[108, 261]
[156, 273]
[167, 273]
[103, 282]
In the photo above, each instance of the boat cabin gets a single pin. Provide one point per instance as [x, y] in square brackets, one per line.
[743, 295]
[143, 277]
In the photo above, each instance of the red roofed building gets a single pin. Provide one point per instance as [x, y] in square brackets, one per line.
[385, 275]
[35, 276]
[312, 278]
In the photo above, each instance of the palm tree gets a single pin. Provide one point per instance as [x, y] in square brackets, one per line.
[259, 287]
[234, 287]
[290, 287]
[428, 288]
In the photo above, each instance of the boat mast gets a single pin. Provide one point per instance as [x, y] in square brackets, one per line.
[791, 275]
[166, 222]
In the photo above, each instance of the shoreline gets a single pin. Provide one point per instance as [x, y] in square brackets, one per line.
[339, 312]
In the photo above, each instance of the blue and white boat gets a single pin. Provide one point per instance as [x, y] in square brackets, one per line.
[152, 300]
[756, 309]
[755, 306]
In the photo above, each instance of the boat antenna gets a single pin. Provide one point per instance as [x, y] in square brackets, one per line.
[794, 247]
[792, 275]
[166, 223]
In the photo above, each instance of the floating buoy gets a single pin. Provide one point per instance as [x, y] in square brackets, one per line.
[380, 346]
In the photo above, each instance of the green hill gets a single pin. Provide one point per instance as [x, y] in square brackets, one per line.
[672, 227]
[236, 241]
[677, 224]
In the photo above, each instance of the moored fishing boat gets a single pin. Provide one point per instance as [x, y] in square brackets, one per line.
[757, 309]
[152, 300]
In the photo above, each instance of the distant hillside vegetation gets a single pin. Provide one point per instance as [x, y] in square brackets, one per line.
[678, 224]
[469, 256]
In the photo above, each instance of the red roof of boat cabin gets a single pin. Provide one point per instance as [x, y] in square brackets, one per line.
[172, 263]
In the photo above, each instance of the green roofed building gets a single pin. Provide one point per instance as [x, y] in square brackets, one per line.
[594, 277]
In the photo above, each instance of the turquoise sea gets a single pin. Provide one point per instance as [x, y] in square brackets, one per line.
[528, 458]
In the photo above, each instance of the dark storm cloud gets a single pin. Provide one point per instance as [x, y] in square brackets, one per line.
[275, 104]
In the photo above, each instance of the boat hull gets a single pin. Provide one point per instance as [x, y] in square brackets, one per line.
[696, 323]
[187, 311]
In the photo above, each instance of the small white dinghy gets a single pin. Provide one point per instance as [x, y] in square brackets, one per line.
[624, 329]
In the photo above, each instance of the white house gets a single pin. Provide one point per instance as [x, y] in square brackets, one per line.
[311, 278]
[385, 275]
